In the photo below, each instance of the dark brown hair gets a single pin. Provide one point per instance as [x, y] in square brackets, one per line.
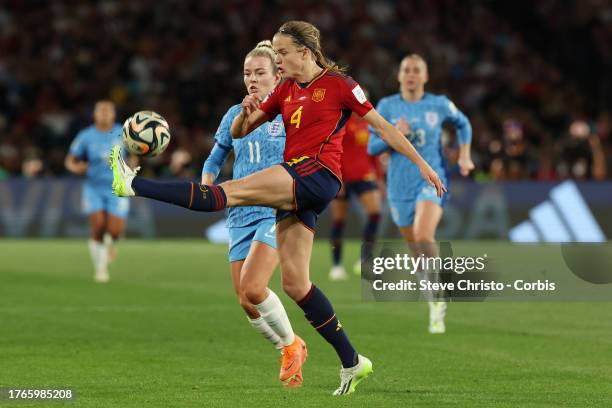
[307, 35]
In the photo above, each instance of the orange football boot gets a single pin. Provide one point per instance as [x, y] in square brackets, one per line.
[294, 356]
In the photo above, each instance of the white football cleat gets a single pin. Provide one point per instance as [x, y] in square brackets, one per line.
[101, 276]
[350, 377]
[122, 174]
[437, 312]
[337, 273]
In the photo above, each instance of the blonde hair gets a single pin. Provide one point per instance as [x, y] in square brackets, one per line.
[416, 57]
[307, 35]
[264, 49]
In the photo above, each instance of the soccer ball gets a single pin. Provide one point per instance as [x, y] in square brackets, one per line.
[146, 133]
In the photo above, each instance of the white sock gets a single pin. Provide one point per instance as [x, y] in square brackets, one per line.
[262, 327]
[109, 244]
[102, 264]
[426, 294]
[108, 240]
[273, 312]
[94, 252]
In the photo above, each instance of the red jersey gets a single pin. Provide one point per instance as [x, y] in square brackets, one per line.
[314, 114]
[357, 164]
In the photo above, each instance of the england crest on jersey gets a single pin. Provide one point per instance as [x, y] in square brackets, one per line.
[275, 128]
[431, 118]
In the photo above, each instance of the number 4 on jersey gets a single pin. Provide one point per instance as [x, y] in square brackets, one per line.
[296, 117]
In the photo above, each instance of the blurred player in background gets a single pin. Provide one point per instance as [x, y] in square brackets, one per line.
[252, 253]
[315, 101]
[361, 176]
[415, 207]
[582, 156]
[88, 156]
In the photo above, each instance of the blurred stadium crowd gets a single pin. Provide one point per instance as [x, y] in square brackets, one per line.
[533, 77]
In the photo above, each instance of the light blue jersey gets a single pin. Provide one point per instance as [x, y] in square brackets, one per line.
[258, 150]
[425, 117]
[94, 147]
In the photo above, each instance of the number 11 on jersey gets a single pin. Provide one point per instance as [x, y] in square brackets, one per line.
[254, 158]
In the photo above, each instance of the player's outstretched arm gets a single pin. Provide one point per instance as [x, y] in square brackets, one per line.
[376, 145]
[466, 165]
[249, 119]
[399, 143]
[214, 162]
[464, 134]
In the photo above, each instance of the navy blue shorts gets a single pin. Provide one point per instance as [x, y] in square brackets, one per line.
[356, 188]
[314, 187]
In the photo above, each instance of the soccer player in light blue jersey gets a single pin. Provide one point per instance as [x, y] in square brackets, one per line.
[88, 156]
[252, 249]
[415, 207]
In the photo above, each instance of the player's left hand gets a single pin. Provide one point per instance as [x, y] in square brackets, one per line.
[432, 179]
[466, 165]
[249, 104]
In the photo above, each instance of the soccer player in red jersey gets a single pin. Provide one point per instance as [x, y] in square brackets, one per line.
[360, 175]
[315, 101]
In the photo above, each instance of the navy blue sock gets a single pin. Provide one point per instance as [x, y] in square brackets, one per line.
[194, 196]
[336, 241]
[322, 317]
[369, 236]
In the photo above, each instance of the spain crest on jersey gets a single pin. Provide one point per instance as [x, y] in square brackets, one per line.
[318, 94]
[431, 118]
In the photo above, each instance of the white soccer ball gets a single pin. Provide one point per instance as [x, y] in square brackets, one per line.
[146, 133]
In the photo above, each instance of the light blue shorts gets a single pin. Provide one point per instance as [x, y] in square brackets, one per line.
[263, 230]
[95, 200]
[402, 211]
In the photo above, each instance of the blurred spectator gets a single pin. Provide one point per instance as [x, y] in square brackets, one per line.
[510, 66]
[581, 153]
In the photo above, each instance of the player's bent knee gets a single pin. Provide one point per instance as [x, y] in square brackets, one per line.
[296, 290]
[115, 233]
[97, 233]
[255, 294]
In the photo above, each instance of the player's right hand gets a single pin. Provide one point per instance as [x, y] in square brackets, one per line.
[208, 179]
[79, 167]
[250, 104]
[466, 165]
[433, 179]
[403, 126]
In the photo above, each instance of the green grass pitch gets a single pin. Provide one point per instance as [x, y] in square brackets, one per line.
[168, 332]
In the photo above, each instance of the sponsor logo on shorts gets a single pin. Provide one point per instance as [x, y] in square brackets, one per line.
[429, 191]
[271, 232]
[293, 162]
